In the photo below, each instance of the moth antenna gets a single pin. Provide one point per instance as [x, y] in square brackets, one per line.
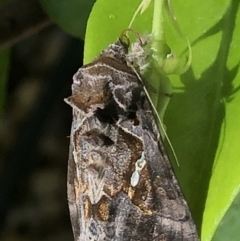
[164, 132]
[122, 36]
[162, 126]
[156, 114]
[125, 34]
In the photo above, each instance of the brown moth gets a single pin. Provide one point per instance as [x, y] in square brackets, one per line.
[121, 186]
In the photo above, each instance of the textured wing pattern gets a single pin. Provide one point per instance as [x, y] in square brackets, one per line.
[121, 186]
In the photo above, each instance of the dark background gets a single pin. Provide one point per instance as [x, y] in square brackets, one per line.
[34, 130]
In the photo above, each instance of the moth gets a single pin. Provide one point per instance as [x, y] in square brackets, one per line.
[121, 186]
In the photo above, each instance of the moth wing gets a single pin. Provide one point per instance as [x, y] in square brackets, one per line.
[71, 192]
[173, 218]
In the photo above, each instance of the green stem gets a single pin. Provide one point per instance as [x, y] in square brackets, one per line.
[156, 46]
[157, 25]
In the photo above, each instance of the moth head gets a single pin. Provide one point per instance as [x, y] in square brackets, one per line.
[117, 50]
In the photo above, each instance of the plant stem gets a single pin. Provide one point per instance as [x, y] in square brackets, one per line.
[157, 25]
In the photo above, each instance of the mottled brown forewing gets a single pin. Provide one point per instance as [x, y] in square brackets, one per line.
[121, 185]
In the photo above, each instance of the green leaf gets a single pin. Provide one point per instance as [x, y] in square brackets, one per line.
[4, 63]
[208, 116]
[107, 20]
[71, 15]
[229, 226]
[203, 116]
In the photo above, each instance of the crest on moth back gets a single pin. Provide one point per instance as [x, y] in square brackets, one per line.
[91, 89]
[117, 50]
